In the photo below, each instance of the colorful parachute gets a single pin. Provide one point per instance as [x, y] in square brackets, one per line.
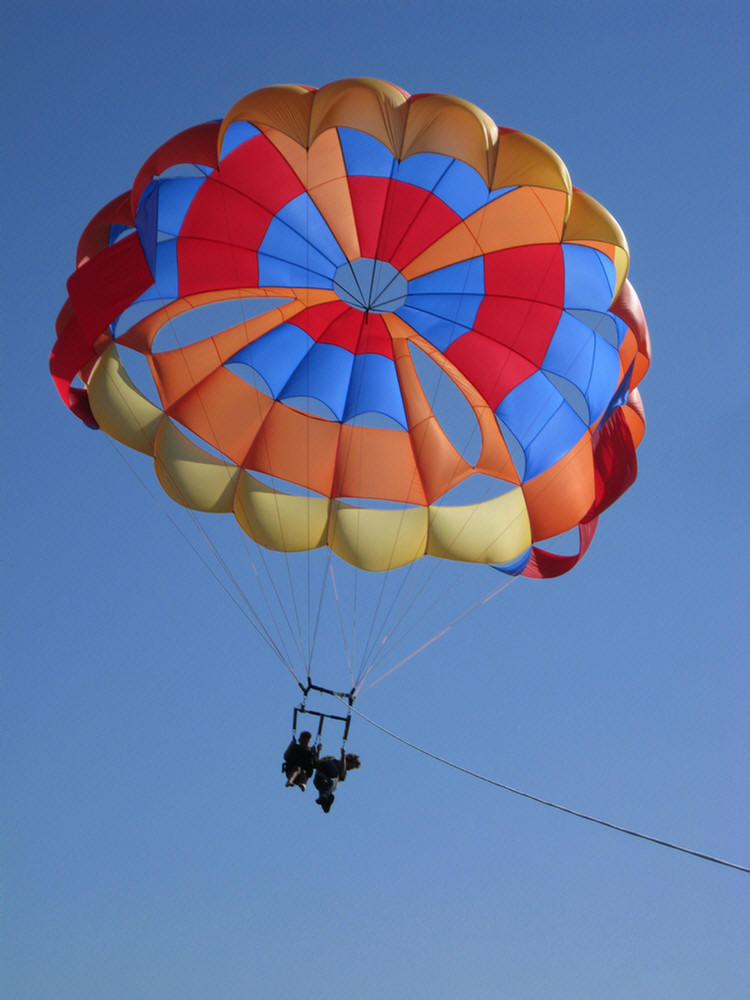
[366, 236]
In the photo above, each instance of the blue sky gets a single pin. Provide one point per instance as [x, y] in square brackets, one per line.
[150, 848]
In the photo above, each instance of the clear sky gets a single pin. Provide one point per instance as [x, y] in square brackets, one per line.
[149, 847]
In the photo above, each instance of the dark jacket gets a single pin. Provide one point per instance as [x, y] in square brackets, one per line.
[296, 755]
[328, 772]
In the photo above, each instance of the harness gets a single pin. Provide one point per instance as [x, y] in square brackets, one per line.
[302, 709]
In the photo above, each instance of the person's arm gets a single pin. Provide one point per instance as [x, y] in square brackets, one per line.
[342, 765]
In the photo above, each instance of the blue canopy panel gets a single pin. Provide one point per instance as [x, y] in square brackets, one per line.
[365, 156]
[442, 305]
[116, 231]
[175, 197]
[438, 331]
[324, 373]
[441, 319]
[466, 277]
[604, 324]
[275, 355]
[374, 388]
[146, 223]
[454, 182]
[299, 234]
[166, 275]
[590, 278]
[621, 395]
[577, 354]
[295, 365]
[544, 424]
[427, 171]
[516, 566]
[237, 134]
[162, 209]
[276, 273]
[298, 249]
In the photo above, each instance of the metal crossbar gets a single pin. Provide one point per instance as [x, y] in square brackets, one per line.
[347, 696]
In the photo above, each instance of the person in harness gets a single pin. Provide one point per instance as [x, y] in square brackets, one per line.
[299, 761]
[329, 772]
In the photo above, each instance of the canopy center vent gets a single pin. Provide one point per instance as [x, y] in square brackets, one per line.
[370, 285]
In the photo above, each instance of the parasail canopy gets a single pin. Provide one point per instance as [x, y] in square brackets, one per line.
[369, 241]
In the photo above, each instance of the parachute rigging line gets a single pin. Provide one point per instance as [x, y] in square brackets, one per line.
[446, 628]
[278, 648]
[244, 607]
[294, 629]
[341, 619]
[371, 655]
[247, 610]
[552, 805]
